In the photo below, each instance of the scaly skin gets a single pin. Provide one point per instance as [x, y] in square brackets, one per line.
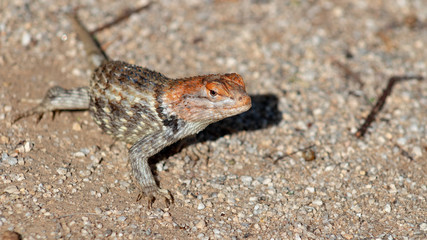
[147, 109]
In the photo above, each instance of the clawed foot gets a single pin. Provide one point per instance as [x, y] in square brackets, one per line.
[153, 193]
[40, 110]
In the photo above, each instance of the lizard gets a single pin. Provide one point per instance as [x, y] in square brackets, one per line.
[144, 108]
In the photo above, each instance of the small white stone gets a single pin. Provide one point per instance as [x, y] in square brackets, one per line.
[423, 227]
[28, 146]
[77, 72]
[61, 171]
[12, 189]
[84, 173]
[417, 151]
[318, 202]
[26, 39]
[401, 141]
[79, 154]
[200, 236]
[266, 181]
[356, 208]
[317, 111]
[12, 161]
[201, 224]
[393, 189]
[85, 151]
[7, 108]
[414, 128]
[247, 180]
[329, 168]
[310, 189]
[124, 184]
[201, 206]
[387, 208]
[253, 199]
[76, 126]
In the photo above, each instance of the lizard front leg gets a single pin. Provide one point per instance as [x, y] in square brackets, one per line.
[58, 98]
[138, 157]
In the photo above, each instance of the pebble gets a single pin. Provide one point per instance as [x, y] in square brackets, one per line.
[253, 199]
[4, 156]
[28, 146]
[7, 108]
[12, 190]
[62, 171]
[201, 206]
[167, 216]
[79, 154]
[387, 208]
[310, 189]
[76, 126]
[201, 224]
[201, 236]
[4, 139]
[124, 184]
[85, 151]
[347, 236]
[318, 202]
[417, 151]
[26, 39]
[423, 227]
[24, 147]
[401, 141]
[12, 161]
[309, 155]
[247, 180]
[85, 173]
[21, 161]
[267, 181]
[98, 210]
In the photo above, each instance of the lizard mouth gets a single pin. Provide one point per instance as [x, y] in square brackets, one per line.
[231, 110]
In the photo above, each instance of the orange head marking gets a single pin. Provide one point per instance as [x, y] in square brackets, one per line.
[208, 98]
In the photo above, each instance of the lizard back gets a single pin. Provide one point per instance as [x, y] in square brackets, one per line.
[123, 100]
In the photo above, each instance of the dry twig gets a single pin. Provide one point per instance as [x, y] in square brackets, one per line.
[381, 101]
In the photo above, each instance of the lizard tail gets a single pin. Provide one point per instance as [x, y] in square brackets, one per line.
[94, 52]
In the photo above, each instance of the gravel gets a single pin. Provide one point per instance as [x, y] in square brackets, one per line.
[290, 168]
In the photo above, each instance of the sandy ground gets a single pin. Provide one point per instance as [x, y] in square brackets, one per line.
[290, 168]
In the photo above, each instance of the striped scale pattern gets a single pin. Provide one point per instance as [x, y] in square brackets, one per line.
[124, 100]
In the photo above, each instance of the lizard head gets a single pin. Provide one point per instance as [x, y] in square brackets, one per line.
[208, 98]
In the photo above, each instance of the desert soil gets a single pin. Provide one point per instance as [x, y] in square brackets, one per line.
[290, 168]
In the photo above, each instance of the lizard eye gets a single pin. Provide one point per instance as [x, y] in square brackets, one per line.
[213, 93]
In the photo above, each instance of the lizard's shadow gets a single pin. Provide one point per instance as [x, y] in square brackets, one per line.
[263, 113]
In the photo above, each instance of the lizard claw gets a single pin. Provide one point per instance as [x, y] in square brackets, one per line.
[151, 194]
[37, 110]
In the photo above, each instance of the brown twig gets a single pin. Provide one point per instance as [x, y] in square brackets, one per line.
[348, 73]
[381, 101]
[125, 15]
[404, 152]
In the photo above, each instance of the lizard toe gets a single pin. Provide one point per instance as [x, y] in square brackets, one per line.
[153, 194]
